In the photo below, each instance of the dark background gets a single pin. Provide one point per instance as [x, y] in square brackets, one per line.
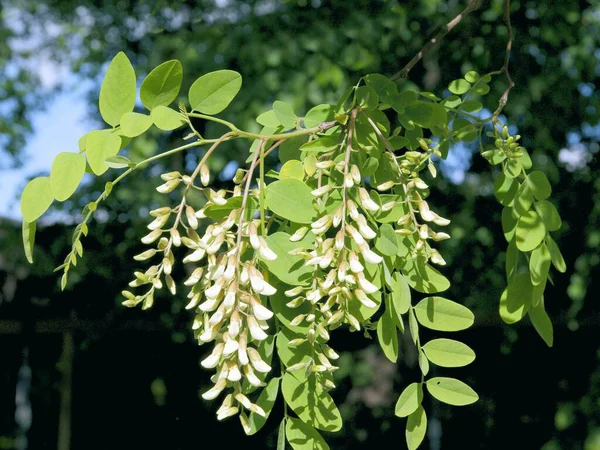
[78, 370]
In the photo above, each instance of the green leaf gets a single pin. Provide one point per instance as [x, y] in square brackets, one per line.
[416, 427]
[512, 260]
[539, 264]
[133, 124]
[471, 76]
[523, 199]
[101, 145]
[409, 400]
[268, 119]
[311, 402]
[281, 435]
[381, 84]
[451, 391]
[387, 334]
[459, 87]
[28, 234]
[557, 257]
[288, 268]
[290, 199]
[424, 278]
[285, 114]
[516, 299]
[542, 324]
[448, 353]
[292, 169]
[366, 98]
[118, 90]
[505, 189]
[289, 355]
[213, 92]
[386, 241]
[471, 106]
[162, 84]
[539, 185]
[509, 223]
[166, 119]
[36, 198]
[442, 314]
[530, 231]
[400, 294]
[266, 400]
[549, 215]
[321, 145]
[67, 172]
[302, 436]
[319, 114]
[119, 162]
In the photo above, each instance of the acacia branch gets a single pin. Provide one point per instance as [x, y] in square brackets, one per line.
[472, 6]
[511, 84]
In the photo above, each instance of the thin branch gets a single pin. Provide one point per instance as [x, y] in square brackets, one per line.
[472, 6]
[511, 84]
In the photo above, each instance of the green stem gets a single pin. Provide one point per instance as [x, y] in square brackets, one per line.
[229, 125]
[262, 190]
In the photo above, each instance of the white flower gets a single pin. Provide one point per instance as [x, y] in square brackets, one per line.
[366, 201]
[251, 376]
[242, 354]
[212, 360]
[362, 297]
[257, 362]
[265, 251]
[441, 236]
[234, 373]
[256, 331]
[259, 311]
[253, 235]
[370, 256]
[213, 392]
[365, 284]
[227, 412]
[436, 258]
[299, 234]
[322, 190]
[231, 346]
[441, 221]
[364, 229]
[355, 265]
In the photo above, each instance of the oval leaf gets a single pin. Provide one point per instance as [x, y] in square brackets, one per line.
[302, 436]
[409, 400]
[28, 234]
[542, 324]
[530, 231]
[117, 94]
[387, 334]
[101, 145]
[448, 353]
[213, 92]
[290, 199]
[451, 391]
[67, 172]
[133, 124]
[285, 114]
[539, 185]
[166, 119]
[36, 198]
[266, 400]
[292, 169]
[442, 314]
[311, 402]
[416, 427]
[162, 85]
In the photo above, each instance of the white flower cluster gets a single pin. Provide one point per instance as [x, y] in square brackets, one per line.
[226, 294]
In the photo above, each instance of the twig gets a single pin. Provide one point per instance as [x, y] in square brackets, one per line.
[472, 6]
[511, 84]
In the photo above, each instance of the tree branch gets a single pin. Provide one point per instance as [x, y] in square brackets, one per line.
[472, 6]
[511, 84]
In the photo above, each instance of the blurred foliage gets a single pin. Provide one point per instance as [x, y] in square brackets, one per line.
[308, 52]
